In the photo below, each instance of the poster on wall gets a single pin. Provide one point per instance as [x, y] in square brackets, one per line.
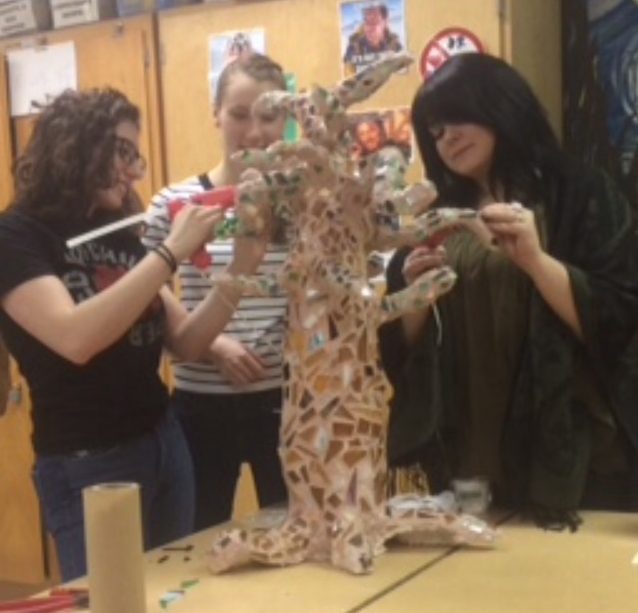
[228, 46]
[374, 130]
[39, 74]
[369, 31]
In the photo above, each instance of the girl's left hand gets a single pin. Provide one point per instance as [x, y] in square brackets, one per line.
[515, 232]
[420, 260]
[248, 252]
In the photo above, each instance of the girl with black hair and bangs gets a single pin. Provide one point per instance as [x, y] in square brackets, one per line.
[527, 372]
[526, 160]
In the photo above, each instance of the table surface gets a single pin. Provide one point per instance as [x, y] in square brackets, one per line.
[305, 588]
[533, 571]
[530, 570]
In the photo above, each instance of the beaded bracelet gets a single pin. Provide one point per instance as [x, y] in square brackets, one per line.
[167, 255]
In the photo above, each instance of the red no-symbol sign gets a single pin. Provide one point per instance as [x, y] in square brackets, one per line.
[444, 45]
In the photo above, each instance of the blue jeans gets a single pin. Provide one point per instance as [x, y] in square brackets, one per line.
[159, 461]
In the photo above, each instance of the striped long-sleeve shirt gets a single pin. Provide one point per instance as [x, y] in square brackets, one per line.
[258, 322]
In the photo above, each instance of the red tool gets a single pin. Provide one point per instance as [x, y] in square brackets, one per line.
[440, 237]
[220, 196]
[59, 599]
[223, 197]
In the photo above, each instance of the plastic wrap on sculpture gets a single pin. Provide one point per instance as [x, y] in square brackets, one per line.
[335, 413]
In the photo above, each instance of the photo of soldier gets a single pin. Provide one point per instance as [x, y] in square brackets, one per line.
[370, 30]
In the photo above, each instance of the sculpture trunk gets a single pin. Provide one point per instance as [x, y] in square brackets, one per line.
[336, 395]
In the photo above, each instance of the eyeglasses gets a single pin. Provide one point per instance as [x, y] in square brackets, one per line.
[129, 153]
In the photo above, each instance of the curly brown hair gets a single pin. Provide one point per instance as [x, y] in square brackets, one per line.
[70, 156]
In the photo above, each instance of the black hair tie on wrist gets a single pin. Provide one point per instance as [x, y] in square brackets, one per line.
[167, 255]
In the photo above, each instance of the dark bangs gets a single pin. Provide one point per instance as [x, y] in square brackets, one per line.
[484, 90]
[446, 98]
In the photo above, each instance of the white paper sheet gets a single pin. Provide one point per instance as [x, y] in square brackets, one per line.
[38, 74]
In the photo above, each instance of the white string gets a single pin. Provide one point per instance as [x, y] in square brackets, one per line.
[439, 324]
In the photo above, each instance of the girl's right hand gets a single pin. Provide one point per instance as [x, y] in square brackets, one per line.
[192, 227]
[238, 364]
[420, 260]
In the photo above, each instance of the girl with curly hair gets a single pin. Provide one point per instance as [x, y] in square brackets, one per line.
[87, 324]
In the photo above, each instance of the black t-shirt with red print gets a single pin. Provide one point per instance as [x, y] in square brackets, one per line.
[118, 394]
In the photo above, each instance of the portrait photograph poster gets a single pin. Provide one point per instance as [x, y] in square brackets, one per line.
[370, 29]
[374, 130]
[226, 47]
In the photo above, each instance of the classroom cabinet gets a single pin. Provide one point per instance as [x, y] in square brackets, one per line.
[166, 57]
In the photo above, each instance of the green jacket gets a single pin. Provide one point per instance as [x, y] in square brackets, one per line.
[547, 439]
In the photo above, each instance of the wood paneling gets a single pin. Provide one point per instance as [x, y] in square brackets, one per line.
[22, 555]
[532, 43]
[6, 181]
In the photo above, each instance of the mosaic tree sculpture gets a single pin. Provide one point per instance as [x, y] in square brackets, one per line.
[336, 395]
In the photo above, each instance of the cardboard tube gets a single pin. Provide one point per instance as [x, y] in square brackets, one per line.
[114, 551]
